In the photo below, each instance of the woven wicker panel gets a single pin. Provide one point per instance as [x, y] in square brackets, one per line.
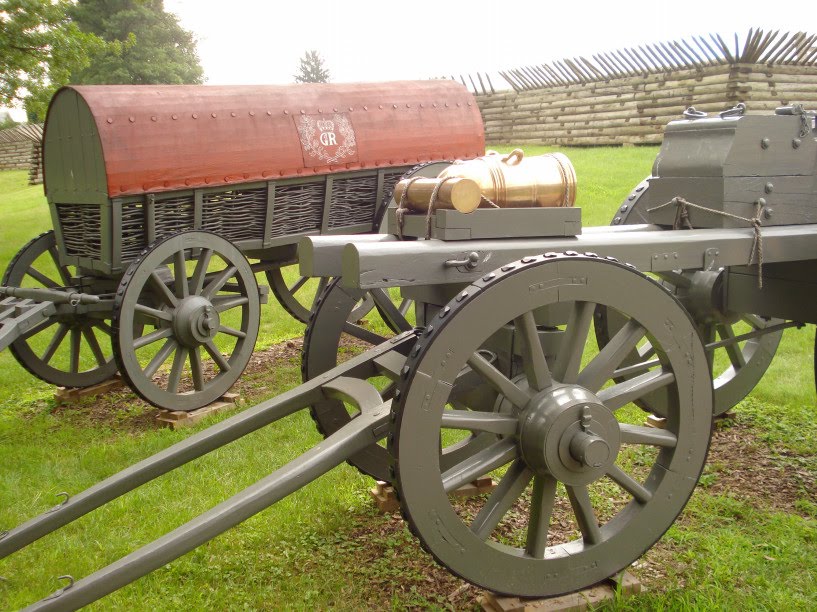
[81, 227]
[298, 208]
[390, 179]
[353, 201]
[174, 215]
[133, 230]
[236, 215]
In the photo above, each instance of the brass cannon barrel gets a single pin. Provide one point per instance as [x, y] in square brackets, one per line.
[516, 181]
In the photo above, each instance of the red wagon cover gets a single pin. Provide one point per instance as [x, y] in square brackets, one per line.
[132, 139]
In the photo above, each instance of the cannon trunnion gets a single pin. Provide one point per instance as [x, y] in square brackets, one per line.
[498, 373]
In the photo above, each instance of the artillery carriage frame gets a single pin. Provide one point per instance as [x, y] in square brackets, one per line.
[501, 374]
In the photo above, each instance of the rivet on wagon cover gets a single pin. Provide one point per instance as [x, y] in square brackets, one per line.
[115, 140]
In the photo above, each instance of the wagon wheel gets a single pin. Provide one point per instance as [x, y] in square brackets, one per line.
[568, 454]
[298, 295]
[322, 345]
[737, 366]
[195, 295]
[69, 351]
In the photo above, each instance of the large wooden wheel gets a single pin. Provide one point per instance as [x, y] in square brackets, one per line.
[69, 350]
[322, 345]
[736, 365]
[568, 447]
[190, 301]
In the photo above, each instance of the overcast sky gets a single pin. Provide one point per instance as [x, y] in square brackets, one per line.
[246, 41]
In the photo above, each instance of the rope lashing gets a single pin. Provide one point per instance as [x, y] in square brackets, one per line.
[682, 222]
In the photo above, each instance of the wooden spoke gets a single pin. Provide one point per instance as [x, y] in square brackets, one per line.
[162, 290]
[153, 313]
[216, 355]
[390, 313]
[237, 333]
[364, 334]
[200, 271]
[509, 489]
[179, 359]
[54, 344]
[471, 420]
[494, 456]
[733, 349]
[498, 380]
[223, 304]
[65, 276]
[536, 367]
[639, 434]
[154, 336]
[541, 509]
[601, 367]
[571, 349]
[76, 345]
[629, 484]
[584, 513]
[160, 357]
[196, 369]
[93, 343]
[630, 390]
[298, 284]
[180, 275]
[215, 285]
[41, 278]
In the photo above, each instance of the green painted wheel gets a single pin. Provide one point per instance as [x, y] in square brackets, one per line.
[298, 295]
[69, 351]
[322, 345]
[195, 303]
[736, 365]
[582, 492]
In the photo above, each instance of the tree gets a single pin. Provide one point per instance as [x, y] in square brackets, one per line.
[152, 45]
[311, 69]
[40, 47]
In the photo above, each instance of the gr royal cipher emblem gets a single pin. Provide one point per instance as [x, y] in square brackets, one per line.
[327, 139]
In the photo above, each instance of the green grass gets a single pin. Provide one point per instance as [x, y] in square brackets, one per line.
[324, 546]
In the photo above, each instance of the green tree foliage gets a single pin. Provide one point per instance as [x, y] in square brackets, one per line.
[311, 69]
[152, 45]
[39, 49]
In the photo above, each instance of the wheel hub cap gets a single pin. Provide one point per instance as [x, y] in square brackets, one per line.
[568, 433]
[195, 321]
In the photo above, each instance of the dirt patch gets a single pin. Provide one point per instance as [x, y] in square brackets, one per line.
[746, 468]
[121, 410]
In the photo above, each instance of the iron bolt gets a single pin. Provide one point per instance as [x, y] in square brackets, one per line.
[764, 144]
[769, 188]
[795, 144]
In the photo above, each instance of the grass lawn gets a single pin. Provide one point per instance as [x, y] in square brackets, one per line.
[747, 540]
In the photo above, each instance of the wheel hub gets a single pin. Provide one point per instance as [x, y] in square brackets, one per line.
[568, 433]
[195, 321]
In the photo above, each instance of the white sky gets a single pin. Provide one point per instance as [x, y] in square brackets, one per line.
[252, 42]
[257, 41]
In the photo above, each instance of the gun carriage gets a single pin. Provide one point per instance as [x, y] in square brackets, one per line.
[128, 167]
[532, 340]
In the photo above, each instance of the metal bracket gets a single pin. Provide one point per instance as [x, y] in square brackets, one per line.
[711, 259]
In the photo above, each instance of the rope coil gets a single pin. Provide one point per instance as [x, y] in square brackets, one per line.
[682, 222]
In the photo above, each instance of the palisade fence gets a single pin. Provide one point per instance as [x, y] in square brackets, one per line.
[628, 96]
[21, 149]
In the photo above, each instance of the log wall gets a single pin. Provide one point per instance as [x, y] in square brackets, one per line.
[635, 109]
[21, 149]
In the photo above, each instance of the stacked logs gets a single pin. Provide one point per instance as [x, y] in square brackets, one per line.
[579, 102]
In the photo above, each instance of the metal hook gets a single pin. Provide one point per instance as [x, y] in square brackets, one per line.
[691, 113]
[736, 111]
[59, 592]
[62, 503]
